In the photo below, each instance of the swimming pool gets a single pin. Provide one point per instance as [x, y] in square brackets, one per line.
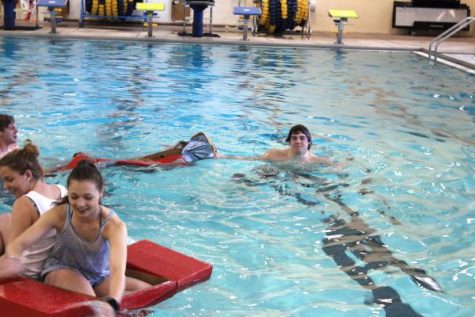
[406, 126]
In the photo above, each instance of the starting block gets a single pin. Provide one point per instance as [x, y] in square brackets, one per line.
[149, 11]
[246, 12]
[51, 5]
[340, 17]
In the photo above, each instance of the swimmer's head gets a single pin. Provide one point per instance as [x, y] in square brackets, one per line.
[299, 128]
[5, 121]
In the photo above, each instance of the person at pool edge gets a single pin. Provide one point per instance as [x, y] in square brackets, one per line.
[89, 254]
[300, 142]
[8, 134]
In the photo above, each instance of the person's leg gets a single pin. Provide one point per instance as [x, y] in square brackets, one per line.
[70, 280]
[5, 225]
[131, 284]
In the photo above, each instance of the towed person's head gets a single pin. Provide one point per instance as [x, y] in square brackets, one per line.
[20, 169]
[85, 188]
[299, 139]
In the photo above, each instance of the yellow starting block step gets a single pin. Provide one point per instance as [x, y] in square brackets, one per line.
[340, 17]
[150, 6]
[338, 14]
[149, 9]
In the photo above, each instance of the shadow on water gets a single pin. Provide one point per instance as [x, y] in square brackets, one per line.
[353, 236]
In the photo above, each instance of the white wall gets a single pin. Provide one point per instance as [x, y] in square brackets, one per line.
[163, 16]
[375, 16]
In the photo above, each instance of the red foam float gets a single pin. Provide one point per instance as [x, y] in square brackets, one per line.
[169, 272]
[170, 159]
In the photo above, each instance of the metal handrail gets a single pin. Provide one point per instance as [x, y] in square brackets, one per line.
[446, 34]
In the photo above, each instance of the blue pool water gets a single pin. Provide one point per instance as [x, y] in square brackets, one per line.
[403, 128]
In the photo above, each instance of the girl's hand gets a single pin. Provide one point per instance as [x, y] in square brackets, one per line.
[10, 266]
[98, 309]
[102, 309]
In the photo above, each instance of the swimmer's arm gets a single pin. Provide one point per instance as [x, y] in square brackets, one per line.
[271, 155]
[237, 157]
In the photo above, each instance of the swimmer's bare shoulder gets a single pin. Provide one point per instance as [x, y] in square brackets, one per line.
[276, 155]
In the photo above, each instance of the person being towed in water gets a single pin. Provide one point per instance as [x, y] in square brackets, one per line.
[200, 147]
[183, 153]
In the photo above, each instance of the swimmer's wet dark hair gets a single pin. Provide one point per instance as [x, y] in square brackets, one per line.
[26, 158]
[302, 129]
[5, 121]
[86, 171]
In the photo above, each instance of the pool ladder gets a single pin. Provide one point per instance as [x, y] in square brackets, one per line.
[434, 44]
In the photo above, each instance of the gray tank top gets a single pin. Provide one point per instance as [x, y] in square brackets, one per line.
[70, 251]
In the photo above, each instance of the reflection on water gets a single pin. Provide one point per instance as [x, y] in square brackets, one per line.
[343, 237]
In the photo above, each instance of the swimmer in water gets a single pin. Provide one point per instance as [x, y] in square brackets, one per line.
[300, 142]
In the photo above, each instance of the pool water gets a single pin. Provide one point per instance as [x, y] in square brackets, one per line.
[330, 241]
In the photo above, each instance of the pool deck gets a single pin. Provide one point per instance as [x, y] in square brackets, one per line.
[461, 48]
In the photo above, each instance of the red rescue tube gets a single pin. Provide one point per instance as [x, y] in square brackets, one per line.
[174, 159]
[78, 158]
